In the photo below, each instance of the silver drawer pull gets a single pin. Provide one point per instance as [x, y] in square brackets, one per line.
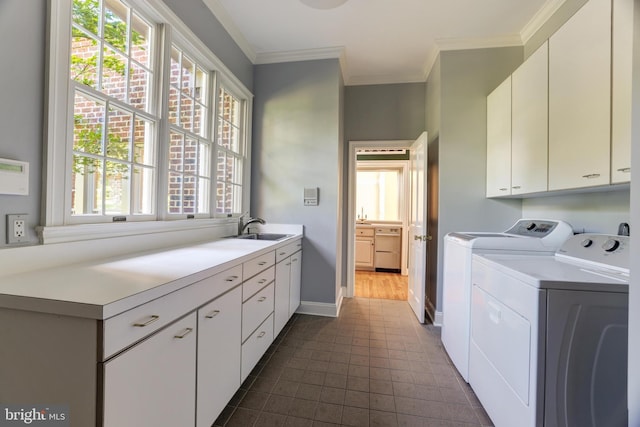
[262, 299]
[591, 175]
[282, 253]
[288, 263]
[213, 314]
[231, 278]
[261, 334]
[294, 259]
[624, 170]
[262, 281]
[184, 333]
[149, 321]
[503, 189]
[299, 245]
[516, 187]
[262, 263]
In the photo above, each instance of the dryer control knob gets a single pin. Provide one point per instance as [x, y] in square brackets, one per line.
[531, 226]
[586, 243]
[611, 245]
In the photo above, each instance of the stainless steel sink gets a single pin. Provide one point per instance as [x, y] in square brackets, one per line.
[263, 236]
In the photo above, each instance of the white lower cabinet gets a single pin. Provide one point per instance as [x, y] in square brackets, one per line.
[287, 292]
[256, 345]
[154, 382]
[219, 346]
[296, 282]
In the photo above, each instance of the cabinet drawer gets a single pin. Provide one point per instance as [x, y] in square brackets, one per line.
[257, 282]
[258, 264]
[285, 251]
[256, 346]
[256, 309]
[364, 232]
[123, 330]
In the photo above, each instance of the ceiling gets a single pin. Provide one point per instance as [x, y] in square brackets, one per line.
[378, 41]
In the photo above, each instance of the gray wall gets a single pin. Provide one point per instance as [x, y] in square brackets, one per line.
[206, 26]
[384, 112]
[591, 212]
[466, 78]
[22, 84]
[296, 144]
[21, 112]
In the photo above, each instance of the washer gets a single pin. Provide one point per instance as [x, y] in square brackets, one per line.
[549, 334]
[532, 236]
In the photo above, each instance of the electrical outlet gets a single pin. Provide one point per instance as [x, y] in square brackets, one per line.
[16, 228]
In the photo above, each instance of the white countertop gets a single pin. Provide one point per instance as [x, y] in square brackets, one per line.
[105, 288]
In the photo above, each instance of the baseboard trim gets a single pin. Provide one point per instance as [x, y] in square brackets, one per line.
[438, 320]
[321, 308]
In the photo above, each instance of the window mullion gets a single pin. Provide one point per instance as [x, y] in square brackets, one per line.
[162, 89]
[214, 87]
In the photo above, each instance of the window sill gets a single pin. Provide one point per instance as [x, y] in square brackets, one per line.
[83, 232]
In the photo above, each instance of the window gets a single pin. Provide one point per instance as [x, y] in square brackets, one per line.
[378, 195]
[143, 122]
[230, 147]
[114, 132]
[190, 145]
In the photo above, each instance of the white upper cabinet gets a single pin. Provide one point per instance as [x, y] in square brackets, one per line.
[499, 140]
[580, 99]
[621, 86]
[529, 124]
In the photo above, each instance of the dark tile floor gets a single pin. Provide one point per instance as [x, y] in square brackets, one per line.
[374, 365]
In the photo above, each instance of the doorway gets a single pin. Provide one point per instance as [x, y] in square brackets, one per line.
[378, 210]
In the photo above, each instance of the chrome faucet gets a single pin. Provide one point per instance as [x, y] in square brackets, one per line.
[243, 225]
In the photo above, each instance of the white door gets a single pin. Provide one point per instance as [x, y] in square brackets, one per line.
[418, 226]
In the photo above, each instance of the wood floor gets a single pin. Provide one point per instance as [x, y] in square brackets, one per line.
[371, 284]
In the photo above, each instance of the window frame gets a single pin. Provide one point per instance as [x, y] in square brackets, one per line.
[58, 128]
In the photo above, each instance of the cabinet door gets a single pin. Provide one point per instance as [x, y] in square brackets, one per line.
[364, 252]
[621, 96]
[580, 99]
[154, 382]
[219, 345]
[529, 123]
[296, 282]
[499, 140]
[281, 306]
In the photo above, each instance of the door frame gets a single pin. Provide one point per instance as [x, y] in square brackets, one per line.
[351, 203]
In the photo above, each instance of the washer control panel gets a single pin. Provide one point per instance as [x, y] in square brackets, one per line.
[533, 228]
[605, 249]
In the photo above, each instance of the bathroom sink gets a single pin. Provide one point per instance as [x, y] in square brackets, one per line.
[263, 236]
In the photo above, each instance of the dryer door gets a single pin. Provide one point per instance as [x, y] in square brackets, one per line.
[586, 376]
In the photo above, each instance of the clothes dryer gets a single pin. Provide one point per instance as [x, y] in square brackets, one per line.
[531, 236]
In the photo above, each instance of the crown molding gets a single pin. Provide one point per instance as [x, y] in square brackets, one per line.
[479, 43]
[539, 19]
[385, 79]
[227, 22]
[300, 55]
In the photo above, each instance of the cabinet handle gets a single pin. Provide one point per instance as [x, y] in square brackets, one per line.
[516, 187]
[288, 263]
[591, 175]
[213, 314]
[231, 278]
[184, 333]
[262, 281]
[149, 321]
[294, 260]
[282, 253]
[263, 333]
[624, 170]
[503, 189]
[299, 245]
[262, 299]
[262, 263]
